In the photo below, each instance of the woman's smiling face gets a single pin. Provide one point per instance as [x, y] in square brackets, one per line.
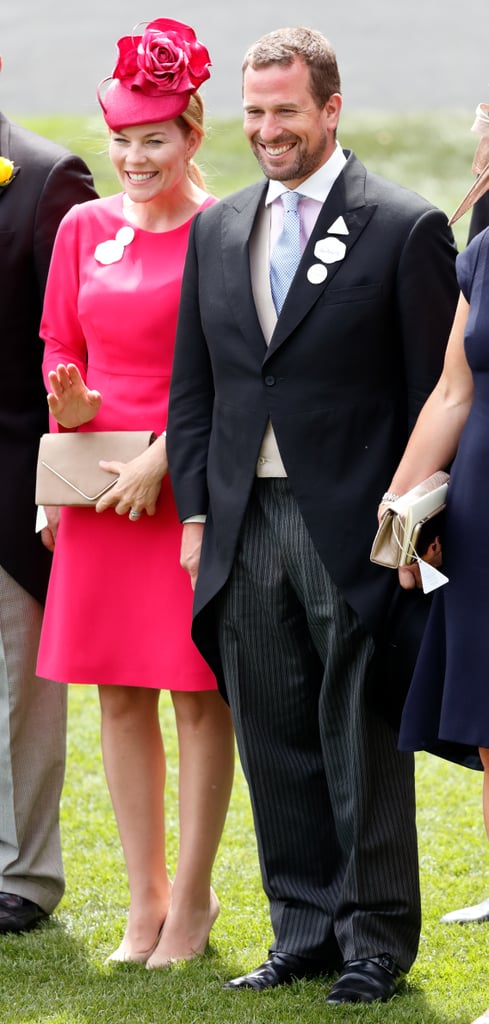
[151, 158]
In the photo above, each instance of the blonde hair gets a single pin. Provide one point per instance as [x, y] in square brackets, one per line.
[193, 119]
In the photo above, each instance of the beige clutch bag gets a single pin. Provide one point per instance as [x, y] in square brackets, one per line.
[68, 471]
[398, 538]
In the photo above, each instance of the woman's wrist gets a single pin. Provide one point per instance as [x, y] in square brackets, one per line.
[389, 496]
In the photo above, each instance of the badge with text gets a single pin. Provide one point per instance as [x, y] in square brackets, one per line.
[330, 250]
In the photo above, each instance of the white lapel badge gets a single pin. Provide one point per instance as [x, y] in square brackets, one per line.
[317, 273]
[112, 250]
[338, 227]
[330, 250]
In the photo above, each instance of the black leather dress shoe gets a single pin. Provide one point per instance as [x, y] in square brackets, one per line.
[280, 969]
[18, 914]
[365, 981]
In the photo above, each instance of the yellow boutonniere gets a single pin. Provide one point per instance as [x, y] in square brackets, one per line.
[6, 171]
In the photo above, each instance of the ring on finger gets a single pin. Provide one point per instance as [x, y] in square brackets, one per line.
[134, 516]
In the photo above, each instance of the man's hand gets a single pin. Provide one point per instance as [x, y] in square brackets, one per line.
[190, 552]
[48, 533]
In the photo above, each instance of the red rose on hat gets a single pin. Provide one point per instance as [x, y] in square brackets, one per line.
[155, 75]
[168, 57]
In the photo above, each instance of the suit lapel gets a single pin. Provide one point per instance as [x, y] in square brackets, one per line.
[238, 218]
[346, 201]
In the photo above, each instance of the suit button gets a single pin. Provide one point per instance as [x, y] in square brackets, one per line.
[270, 381]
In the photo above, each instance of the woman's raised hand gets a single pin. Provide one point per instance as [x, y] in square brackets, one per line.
[70, 401]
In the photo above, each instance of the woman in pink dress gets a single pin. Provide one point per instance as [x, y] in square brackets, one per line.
[118, 612]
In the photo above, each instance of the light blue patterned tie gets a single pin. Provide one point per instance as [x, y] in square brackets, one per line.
[286, 254]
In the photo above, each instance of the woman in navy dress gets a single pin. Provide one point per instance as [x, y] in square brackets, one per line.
[447, 707]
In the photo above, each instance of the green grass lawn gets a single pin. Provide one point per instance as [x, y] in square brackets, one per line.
[56, 974]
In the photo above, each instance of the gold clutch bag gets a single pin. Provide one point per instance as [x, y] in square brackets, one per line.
[68, 471]
[398, 538]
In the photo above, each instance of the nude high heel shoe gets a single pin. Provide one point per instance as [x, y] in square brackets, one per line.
[161, 960]
[122, 956]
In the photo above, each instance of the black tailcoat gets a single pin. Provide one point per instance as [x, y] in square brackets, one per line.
[348, 368]
[48, 181]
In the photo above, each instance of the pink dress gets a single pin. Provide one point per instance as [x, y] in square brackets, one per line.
[119, 604]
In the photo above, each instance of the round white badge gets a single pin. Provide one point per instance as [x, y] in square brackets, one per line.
[125, 235]
[317, 273]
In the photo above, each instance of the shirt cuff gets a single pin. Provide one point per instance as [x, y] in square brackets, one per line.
[195, 519]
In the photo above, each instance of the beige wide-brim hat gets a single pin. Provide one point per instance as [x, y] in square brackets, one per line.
[480, 164]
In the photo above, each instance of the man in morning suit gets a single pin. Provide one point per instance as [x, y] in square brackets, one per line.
[41, 181]
[285, 423]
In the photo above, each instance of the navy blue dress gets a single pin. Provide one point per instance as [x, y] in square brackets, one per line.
[447, 707]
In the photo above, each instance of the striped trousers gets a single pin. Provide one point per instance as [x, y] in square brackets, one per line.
[332, 797]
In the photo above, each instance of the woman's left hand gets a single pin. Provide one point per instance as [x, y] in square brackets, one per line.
[139, 483]
[410, 575]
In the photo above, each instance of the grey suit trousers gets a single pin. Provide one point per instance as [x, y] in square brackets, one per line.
[32, 755]
[332, 798]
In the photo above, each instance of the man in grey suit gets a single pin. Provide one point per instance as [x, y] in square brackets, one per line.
[287, 416]
[41, 181]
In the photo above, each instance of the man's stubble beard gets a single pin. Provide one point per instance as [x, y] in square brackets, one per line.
[302, 167]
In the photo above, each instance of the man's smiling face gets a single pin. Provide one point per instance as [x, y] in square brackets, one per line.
[289, 134]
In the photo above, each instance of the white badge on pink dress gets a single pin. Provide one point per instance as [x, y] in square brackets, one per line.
[112, 250]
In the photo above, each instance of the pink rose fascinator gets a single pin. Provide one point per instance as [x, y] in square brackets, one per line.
[155, 75]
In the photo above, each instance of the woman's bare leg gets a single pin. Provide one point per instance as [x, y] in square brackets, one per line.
[134, 761]
[206, 764]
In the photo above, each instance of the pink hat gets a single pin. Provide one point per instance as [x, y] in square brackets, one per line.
[155, 75]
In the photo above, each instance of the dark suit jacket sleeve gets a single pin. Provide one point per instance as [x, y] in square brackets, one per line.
[69, 182]
[427, 294]
[190, 419]
[49, 181]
